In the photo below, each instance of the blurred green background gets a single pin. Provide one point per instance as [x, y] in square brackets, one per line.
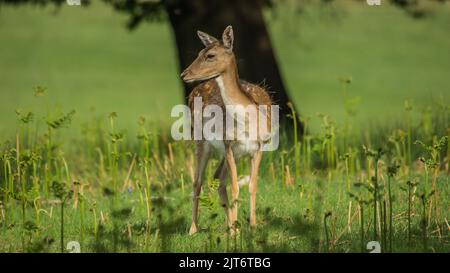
[90, 62]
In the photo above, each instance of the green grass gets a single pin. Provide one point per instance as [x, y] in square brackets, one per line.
[390, 57]
[286, 223]
[134, 201]
[87, 59]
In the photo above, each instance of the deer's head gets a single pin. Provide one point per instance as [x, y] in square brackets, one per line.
[213, 60]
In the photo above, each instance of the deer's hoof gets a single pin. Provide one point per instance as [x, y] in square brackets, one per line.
[193, 229]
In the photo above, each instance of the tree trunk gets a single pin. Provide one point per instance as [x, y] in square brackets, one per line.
[252, 47]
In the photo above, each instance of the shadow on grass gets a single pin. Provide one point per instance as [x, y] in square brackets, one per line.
[302, 234]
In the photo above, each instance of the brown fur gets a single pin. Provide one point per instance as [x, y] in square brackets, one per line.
[217, 63]
[210, 93]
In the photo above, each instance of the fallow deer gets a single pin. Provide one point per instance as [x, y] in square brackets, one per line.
[216, 67]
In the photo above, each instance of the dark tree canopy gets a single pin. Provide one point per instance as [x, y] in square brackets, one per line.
[151, 10]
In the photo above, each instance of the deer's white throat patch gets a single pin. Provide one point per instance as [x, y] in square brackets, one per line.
[244, 144]
[223, 92]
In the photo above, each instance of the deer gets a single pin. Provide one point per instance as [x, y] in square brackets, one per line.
[216, 69]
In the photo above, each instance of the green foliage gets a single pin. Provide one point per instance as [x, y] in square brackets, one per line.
[150, 210]
[143, 206]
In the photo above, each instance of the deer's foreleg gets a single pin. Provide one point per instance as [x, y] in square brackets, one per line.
[231, 165]
[203, 153]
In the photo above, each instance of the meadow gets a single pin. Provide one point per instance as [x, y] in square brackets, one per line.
[79, 164]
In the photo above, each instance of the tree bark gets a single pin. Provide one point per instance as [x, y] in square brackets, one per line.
[252, 46]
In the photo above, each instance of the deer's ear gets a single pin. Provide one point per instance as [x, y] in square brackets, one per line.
[228, 37]
[206, 39]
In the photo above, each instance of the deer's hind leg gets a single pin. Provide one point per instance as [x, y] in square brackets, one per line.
[203, 152]
[256, 160]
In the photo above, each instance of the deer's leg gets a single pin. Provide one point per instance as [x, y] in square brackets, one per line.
[256, 159]
[231, 165]
[221, 173]
[203, 151]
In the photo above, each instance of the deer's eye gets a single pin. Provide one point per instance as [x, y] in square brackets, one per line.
[210, 56]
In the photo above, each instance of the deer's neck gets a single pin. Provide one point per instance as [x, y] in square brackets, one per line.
[230, 88]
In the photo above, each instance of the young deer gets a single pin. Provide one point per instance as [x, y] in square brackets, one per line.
[217, 65]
